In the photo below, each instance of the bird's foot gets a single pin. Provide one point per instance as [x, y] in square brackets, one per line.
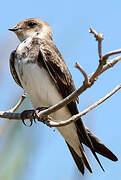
[27, 113]
[43, 119]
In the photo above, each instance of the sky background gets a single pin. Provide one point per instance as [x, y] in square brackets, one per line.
[70, 20]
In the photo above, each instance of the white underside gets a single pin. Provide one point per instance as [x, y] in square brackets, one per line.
[37, 83]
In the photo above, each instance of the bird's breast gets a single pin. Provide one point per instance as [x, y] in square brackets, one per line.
[37, 82]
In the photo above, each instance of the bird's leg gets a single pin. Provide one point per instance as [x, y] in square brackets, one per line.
[33, 113]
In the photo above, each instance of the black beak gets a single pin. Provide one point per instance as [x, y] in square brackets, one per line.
[13, 29]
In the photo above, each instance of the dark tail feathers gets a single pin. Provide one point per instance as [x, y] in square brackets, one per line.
[80, 162]
[100, 147]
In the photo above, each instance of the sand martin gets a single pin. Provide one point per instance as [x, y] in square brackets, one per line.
[39, 68]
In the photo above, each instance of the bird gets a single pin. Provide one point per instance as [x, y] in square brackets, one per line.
[39, 68]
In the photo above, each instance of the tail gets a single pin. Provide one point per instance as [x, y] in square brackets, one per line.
[99, 147]
[80, 161]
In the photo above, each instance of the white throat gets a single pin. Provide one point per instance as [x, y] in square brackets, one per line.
[32, 34]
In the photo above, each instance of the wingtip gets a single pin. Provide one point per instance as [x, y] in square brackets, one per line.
[101, 148]
[113, 157]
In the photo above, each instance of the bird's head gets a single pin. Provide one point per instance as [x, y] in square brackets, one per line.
[32, 26]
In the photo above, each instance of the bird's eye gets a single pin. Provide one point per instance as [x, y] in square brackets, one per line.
[31, 24]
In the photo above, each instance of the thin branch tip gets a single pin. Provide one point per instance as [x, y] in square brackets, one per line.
[98, 36]
[79, 67]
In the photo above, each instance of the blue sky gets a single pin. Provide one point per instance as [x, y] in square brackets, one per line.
[70, 21]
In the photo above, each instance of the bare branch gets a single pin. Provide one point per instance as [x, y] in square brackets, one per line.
[77, 116]
[9, 114]
[106, 56]
[99, 37]
[18, 104]
[77, 65]
[103, 64]
[110, 64]
[51, 123]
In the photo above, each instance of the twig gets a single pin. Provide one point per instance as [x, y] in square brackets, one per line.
[65, 122]
[110, 64]
[103, 65]
[9, 114]
[106, 56]
[99, 37]
[77, 116]
[82, 71]
[18, 104]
